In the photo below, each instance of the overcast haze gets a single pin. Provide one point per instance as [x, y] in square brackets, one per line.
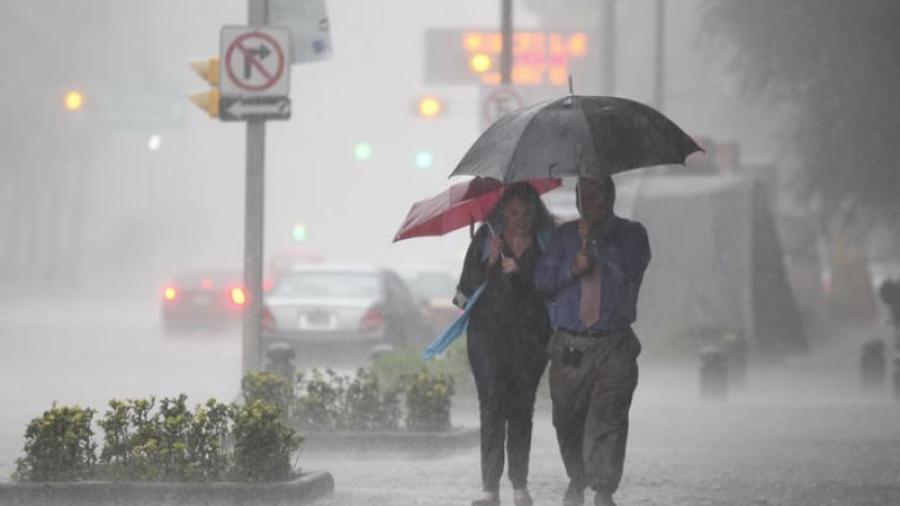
[182, 206]
[771, 247]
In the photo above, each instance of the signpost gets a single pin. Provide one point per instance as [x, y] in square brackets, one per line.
[250, 82]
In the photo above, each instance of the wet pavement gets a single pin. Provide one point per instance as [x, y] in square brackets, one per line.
[679, 454]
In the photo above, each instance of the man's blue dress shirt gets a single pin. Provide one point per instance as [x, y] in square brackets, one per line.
[619, 248]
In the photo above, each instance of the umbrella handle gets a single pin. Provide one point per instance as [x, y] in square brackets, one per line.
[494, 234]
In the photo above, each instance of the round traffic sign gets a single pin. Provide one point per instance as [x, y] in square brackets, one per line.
[500, 101]
[254, 61]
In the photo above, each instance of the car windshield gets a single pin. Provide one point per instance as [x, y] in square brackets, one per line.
[355, 285]
[432, 285]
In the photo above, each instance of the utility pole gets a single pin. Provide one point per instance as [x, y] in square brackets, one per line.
[506, 28]
[254, 220]
[660, 80]
[608, 48]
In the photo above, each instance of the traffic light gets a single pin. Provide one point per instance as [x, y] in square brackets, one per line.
[299, 232]
[208, 100]
[429, 107]
[74, 100]
[424, 159]
[363, 151]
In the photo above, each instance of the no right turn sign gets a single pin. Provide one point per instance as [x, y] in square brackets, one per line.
[255, 62]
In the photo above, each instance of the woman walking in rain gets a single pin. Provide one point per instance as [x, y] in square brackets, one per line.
[507, 334]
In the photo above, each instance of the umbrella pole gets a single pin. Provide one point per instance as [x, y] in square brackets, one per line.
[580, 214]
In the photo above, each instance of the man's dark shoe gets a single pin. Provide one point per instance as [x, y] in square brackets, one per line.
[574, 495]
[489, 499]
[603, 499]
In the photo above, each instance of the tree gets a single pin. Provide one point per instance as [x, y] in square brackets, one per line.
[836, 64]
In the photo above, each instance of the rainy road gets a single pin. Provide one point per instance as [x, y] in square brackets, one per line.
[806, 438]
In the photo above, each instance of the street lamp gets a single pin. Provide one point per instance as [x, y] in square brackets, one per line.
[74, 100]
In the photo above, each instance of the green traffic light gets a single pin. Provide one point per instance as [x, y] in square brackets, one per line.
[363, 151]
[299, 232]
[424, 160]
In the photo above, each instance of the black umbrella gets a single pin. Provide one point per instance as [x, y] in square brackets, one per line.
[576, 136]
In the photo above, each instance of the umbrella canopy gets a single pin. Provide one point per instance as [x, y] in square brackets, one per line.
[590, 136]
[458, 206]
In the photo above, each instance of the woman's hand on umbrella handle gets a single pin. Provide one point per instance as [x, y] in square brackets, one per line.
[510, 265]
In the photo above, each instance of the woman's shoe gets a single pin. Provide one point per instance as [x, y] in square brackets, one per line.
[489, 499]
[521, 497]
[574, 495]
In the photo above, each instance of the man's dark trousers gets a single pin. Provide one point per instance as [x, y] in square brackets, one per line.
[592, 380]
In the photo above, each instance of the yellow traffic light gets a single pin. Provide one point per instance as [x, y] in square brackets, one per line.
[430, 107]
[209, 70]
[74, 100]
[480, 63]
[208, 101]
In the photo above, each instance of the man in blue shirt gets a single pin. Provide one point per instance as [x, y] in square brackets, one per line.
[591, 273]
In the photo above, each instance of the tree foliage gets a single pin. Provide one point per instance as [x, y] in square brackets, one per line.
[836, 64]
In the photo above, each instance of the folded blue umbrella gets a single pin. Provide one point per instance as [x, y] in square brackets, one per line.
[455, 329]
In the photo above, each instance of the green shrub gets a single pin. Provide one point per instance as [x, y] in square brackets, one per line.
[58, 446]
[319, 403]
[146, 440]
[391, 366]
[268, 387]
[428, 400]
[263, 444]
[366, 407]
[208, 452]
[326, 401]
[129, 441]
[169, 444]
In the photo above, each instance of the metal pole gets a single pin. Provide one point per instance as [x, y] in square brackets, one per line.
[608, 48]
[506, 28]
[254, 221]
[660, 84]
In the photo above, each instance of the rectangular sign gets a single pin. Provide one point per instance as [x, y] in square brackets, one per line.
[258, 108]
[308, 23]
[540, 57]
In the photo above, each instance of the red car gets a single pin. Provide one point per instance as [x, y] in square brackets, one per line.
[203, 299]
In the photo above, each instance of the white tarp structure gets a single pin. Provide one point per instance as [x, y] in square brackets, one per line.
[717, 263]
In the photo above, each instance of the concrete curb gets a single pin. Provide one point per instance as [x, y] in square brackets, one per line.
[307, 488]
[401, 440]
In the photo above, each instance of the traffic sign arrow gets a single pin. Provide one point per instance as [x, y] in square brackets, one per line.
[244, 108]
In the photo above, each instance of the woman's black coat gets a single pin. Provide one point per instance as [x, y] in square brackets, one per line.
[508, 327]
